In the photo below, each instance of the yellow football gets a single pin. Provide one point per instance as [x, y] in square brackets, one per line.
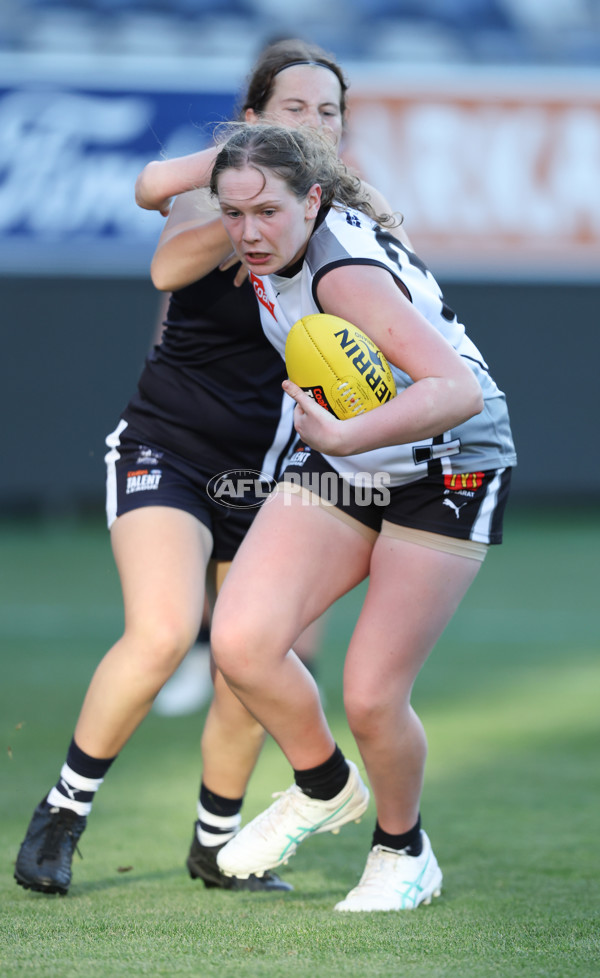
[338, 365]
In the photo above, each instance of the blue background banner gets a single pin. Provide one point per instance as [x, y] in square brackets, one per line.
[69, 157]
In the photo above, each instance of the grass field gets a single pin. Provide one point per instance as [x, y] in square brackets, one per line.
[511, 702]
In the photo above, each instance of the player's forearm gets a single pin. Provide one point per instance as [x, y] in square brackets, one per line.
[189, 255]
[423, 410]
[162, 179]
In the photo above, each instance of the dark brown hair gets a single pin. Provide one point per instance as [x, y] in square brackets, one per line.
[280, 55]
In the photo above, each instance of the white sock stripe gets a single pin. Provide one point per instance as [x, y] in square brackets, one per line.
[77, 781]
[219, 821]
[56, 800]
[208, 839]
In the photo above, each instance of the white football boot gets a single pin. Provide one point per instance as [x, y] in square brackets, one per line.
[273, 836]
[393, 880]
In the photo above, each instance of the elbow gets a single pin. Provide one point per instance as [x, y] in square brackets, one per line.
[478, 401]
[467, 398]
[161, 280]
[163, 273]
[145, 191]
[473, 399]
[140, 187]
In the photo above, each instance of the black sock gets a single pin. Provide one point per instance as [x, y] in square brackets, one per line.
[218, 805]
[326, 780]
[411, 841]
[80, 777]
[218, 818]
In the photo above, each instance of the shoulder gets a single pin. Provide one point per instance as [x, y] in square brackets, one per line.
[343, 232]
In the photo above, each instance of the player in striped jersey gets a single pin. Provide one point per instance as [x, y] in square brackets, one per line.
[302, 225]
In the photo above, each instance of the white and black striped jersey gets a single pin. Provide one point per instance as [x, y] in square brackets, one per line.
[346, 237]
[210, 391]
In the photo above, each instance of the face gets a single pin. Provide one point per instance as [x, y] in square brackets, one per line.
[306, 95]
[268, 225]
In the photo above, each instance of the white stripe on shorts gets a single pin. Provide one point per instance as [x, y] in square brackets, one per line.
[482, 526]
[111, 458]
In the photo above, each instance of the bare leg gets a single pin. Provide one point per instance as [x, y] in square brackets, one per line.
[161, 555]
[307, 645]
[232, 738]
[413, 593]
[273, 591]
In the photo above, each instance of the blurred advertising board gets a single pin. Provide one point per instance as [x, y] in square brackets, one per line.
[497, 172]
[75, 135]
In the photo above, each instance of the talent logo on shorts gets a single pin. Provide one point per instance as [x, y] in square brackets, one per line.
[240, 488]
[300, 456]
[141, 480]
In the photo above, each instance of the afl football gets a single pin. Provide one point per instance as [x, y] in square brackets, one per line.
[338, 365]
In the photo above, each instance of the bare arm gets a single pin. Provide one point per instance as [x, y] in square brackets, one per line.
[161, 180]
[192, 244]
[444, 393]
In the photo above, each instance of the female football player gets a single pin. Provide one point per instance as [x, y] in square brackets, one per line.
[209, 400]
[307, 232]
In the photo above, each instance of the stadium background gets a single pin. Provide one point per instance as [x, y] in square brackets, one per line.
[479, 119]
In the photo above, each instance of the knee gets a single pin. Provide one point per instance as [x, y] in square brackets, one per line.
[373, 709]
[160, 644]
[365, 717]
[236, 652]
[227, 650]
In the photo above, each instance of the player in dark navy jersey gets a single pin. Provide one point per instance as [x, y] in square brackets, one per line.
[213, 368]
[209, 400]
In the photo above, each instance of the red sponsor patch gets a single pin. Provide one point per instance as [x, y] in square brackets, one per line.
[259, 291]
[464, 480]
[137, 472]
[319, 396]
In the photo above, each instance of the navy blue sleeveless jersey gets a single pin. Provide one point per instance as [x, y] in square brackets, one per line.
[210, 391]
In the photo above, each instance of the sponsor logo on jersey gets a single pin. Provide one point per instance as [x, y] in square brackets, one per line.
[240, 488]
[464, 480]
[140, 480]
[259, 291]
[368, 363]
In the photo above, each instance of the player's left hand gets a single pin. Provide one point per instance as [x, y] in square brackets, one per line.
[315, 425]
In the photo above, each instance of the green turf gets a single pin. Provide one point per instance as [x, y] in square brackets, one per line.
[510, 699]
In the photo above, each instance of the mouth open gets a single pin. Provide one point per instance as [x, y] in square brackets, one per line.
[257, 256]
